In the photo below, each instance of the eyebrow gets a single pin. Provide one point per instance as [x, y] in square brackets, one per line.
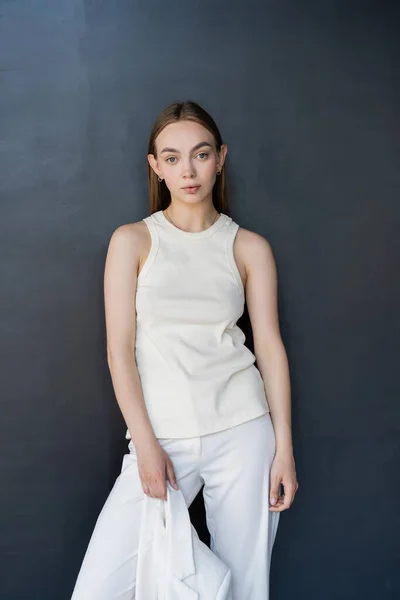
[199, 145]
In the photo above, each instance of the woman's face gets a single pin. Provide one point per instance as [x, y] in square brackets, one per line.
[186, 155]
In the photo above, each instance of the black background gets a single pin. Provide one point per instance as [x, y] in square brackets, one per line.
[306, 97]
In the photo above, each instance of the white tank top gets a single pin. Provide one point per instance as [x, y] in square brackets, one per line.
[197, 375]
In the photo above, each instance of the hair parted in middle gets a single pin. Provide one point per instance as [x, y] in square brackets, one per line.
[188, 110]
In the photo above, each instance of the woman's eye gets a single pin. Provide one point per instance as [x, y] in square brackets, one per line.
[172, 159]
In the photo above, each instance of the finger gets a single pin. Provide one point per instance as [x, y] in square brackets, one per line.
[171, 476]
[274, 491]
[289, 494]
[160, 487]
[279, 506]
[162, 490]
[284, 502]
[149, 488]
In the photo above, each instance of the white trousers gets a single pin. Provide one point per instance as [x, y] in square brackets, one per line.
[234, 466]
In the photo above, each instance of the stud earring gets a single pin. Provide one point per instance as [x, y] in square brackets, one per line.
[219, 172]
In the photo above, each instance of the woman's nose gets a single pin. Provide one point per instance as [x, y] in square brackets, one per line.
[188, 170]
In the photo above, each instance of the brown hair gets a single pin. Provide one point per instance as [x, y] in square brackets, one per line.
[160, 197]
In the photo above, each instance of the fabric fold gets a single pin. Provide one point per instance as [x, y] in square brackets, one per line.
[173, 563]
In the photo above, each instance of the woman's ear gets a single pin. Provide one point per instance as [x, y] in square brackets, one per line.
[153, 163]
[221, 155]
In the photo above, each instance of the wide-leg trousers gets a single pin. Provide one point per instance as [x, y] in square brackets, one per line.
[234, 466]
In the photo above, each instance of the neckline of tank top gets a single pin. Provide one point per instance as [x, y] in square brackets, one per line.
[160, 218]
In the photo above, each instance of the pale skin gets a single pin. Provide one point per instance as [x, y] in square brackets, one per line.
[128, 249]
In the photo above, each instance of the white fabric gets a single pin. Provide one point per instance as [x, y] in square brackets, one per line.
[196, 373]
[234, 467]
[173, 563]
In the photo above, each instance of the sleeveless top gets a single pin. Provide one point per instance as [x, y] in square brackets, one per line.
[196, 374]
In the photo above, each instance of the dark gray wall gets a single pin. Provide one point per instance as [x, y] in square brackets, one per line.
[305, 96]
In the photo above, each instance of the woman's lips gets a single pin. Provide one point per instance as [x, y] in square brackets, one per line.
[191, 189]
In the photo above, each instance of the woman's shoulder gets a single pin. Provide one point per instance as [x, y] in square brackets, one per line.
[252, 248]
[130, 231]
[133, 236]
[251, 240]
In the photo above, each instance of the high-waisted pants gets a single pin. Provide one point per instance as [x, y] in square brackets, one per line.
[234, 466]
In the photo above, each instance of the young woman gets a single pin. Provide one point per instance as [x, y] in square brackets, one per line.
[198, 411]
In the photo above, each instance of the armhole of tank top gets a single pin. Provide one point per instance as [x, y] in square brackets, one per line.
[153, 248]
[230, 239]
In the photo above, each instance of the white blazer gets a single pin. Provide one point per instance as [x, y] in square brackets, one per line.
[173, 563]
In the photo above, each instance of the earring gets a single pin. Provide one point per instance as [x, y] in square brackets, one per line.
[160, 179]
[219, 172]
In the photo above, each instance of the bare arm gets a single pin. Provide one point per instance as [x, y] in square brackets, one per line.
[262, 302]
[120, 278]
[126, 246]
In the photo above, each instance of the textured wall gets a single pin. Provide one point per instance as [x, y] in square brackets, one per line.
[304, 94]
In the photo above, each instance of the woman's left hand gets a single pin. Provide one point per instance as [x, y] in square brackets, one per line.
[283, 471]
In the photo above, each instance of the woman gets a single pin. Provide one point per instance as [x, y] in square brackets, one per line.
[198, 411]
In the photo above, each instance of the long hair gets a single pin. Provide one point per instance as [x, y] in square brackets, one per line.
[159, 194]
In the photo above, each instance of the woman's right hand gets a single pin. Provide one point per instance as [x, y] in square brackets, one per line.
[155, 468]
